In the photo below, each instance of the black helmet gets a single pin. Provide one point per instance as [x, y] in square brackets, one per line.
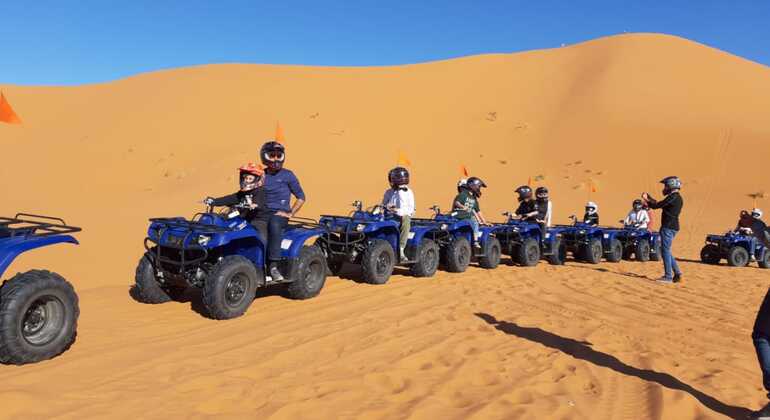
[398, 176]
[638, 204]
[541, 192]
[524, 192]
[670, 183]
[475, 185]
[273, 154]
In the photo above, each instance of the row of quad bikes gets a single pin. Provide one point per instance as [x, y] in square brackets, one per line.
[224, 256]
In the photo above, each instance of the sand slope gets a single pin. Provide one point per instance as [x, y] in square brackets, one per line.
[619, 112]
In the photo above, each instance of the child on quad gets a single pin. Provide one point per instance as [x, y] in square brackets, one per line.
[250, 198]
[399, 200]
[466, 206]
[527, 210]
[638, 217]
[591, 216]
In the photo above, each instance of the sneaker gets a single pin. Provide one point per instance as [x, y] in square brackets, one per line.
[402, 255]
[665, 280]
[761, 414]
[677, 278]
[275, 274]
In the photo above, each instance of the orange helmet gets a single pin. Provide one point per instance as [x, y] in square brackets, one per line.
[253, 169]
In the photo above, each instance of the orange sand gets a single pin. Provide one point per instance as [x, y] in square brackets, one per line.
[621, 112]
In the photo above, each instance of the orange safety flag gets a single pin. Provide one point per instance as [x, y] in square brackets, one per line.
[529, 182]
[403, 160]
[463, 171]
[279, 133]
[7, 114]
[593, 186]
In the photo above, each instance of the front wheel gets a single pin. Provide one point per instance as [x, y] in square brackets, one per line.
[559, 253]
[642, 252]
[38, 317]
[528, 253]
[378, 261]
[710, 254]
[230, 287]
[616, 251]
[147, 287]
[764, 262]
[655, 251]
[458, 255]
[307, 273]
[592, 252]
[427, 259]
[492, 252]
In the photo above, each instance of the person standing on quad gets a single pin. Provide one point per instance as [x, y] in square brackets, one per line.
[399, 199]
[250, 198]
[637, 218]
[527, 210]
[280, 184]
[591, 216]
[672, 208]
[544, 206]
[466, 206]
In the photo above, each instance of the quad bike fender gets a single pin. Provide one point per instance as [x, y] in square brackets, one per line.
[13, 247]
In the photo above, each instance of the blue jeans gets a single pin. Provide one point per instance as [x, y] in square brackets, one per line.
[669, 262]
[275, 227]
[476, 230]
[762, 346]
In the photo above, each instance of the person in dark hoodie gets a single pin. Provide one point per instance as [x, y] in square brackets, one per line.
[250, 198]
[672, 207]
[527, 210]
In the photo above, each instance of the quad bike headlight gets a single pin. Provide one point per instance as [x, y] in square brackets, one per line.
[360, 227]
[444, 226]
[203, 240]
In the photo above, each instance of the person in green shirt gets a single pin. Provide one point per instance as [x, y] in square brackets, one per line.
[466, 205]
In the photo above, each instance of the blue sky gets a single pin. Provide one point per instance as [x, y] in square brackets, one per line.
[73, 42]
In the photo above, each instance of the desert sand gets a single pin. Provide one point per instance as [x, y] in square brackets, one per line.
[577, 341]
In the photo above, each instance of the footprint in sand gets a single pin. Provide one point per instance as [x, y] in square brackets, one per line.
[314, 116]
[491, 116]
[503, 162]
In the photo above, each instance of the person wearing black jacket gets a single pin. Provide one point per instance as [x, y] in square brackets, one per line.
[250, 198]
[527, 210]
[672, 208]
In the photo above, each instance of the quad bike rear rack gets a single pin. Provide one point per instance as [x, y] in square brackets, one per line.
[34, 225]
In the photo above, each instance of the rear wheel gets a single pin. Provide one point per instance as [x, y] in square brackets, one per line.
[492, 253]
[528, 253]
[307, 273]
[458, 255]
[427, 259]
[592, 252]
[655, 252]
[230, 287]
[642, 252]
[616, 251]
[559, 255]
[147, 287]
[38, 317]
[738, 256]
[377, 262]
[710, 254]
[764, 262]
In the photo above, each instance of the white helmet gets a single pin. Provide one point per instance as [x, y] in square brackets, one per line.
[461, 183]
[756, 213]
[591, 207]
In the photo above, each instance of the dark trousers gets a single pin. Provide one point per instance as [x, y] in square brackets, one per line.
[762, 346]
[275, 226]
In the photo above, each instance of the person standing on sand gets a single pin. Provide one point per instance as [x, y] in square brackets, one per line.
[280, 185]
[669, 227]
[761, 337]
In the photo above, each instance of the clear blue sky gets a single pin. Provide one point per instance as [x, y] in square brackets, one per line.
[72, 42]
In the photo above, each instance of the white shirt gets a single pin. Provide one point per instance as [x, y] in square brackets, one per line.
[548, 214]
[639, 219]
[402, 199]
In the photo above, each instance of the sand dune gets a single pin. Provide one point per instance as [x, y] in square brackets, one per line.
[578, 341]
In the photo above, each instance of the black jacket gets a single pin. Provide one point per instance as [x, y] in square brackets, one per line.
[591, 219]
[526, 207]
[672, 208]
[241, 197]
[762, 323]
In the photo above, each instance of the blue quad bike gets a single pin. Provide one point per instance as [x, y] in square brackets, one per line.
[454, 237]
[638, 244]
[369, 238]
[224, 255]
[737, 248]
[524, 242]
[38, 309]
[590, 243]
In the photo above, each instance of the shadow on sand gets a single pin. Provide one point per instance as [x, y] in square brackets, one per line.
[582, 350]
[193, 296]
